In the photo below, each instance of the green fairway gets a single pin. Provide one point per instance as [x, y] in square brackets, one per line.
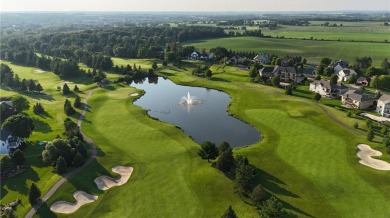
[306, 159]
[310, 49]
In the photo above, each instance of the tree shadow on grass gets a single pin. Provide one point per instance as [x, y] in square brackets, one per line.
[41, 126]
[295, 209]
[44, 211]
[45, 115]
[220, 79]
[166, 73]
[109, 87]
[272, 184]
[18, 182]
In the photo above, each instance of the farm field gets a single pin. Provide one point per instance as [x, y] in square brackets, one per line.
[312, 50]
[305, 159]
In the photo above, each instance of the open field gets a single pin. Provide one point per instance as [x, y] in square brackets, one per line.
[306, 159]
[309, 49]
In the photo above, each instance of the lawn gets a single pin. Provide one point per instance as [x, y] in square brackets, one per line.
[310, 49]
[306, 159]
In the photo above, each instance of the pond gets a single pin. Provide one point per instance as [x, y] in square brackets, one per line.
[206, 119]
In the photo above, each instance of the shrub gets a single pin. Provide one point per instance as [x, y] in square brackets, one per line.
[258, 195]
[356, 125]
[18, 157]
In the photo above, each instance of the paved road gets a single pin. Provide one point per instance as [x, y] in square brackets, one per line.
[75, 171]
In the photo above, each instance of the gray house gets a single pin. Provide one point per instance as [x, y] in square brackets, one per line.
[359, 99]
[383, 106]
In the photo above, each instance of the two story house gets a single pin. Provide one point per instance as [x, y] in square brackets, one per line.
[326, 88]
[383, 106]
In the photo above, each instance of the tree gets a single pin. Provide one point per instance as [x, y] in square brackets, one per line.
[374, 82]
[18, 157]
[325, 61]
[165, 63]
[97, 79]
[39, 88]
[78, 160]
[56, 148]
[68, 109]
[71, 130]
[253, 72]
[154, 65]
[61, 165]
[5, 162]
[370, 135]
[352, 79]
[225, 160]
[23, 85]
[244, 175]
[258, 195]
[209, 73]
[33, 194]
[65, 89]
[333, 79]
[224, 146]
[77, 102]
[275, 80]
[76, 89]
[38, 108]
[317, 97]
[81, 149]
[288, 90]
[20, 103]
[19, 125]
[272, 208]
[208, 151]
[356, 125]
[328, 71]
[229, 213]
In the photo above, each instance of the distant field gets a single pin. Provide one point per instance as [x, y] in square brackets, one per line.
[356, 31]
[309, 49]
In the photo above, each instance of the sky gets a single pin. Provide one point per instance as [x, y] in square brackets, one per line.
[194, 5]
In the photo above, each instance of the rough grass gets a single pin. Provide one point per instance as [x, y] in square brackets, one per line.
[309, 49]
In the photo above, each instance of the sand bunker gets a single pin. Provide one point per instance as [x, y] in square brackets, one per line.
[39, 71]
[106, 182]
[365, 152]
[134, 94]
[67, 207]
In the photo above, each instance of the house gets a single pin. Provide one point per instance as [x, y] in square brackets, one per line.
[362, 81]
[234, 60]
[206, 57]
[337, 69]
[266, 72]
[262, 59]
[288, 74]
[383, 106]
[194, 56]
[8, 143]
[359, 99]
[345, 74]
[326, 88]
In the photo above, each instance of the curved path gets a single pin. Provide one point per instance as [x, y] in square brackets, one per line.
[67, 176]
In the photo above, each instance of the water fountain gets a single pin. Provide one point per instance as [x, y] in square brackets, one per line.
[189, 100]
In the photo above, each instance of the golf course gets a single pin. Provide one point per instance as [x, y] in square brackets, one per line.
[305, 158]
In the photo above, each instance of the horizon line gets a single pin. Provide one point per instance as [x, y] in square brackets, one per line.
[181, 11]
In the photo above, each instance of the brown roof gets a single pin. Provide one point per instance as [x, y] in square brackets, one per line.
[360, 95]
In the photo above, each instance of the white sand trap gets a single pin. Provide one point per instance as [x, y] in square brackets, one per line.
[39, 71]
[67, 207]
[106, 182]
[365, 152]
[134, 94]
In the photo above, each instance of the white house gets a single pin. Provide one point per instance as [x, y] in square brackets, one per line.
[8, 143]
[325, 88]
[194, 56]
[345, 74]
[338, 68]
[262, 59]
[383, 106]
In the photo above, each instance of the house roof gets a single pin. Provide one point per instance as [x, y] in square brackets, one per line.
[278, 69]
[194, 53]
[328, 85]
[8, 104]
[347, 71]
[385, 98]
[362, 79]
[4, 135]
[360, 95]
[267, 70]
